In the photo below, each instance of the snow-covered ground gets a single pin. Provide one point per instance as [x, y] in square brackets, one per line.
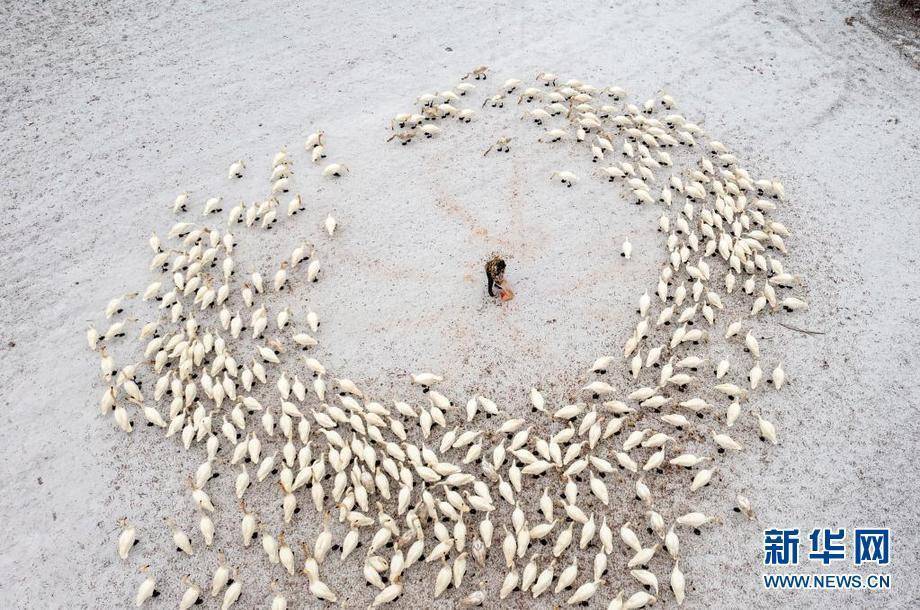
[109, 111]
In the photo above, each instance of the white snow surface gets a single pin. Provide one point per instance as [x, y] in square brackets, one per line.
[109, 111]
